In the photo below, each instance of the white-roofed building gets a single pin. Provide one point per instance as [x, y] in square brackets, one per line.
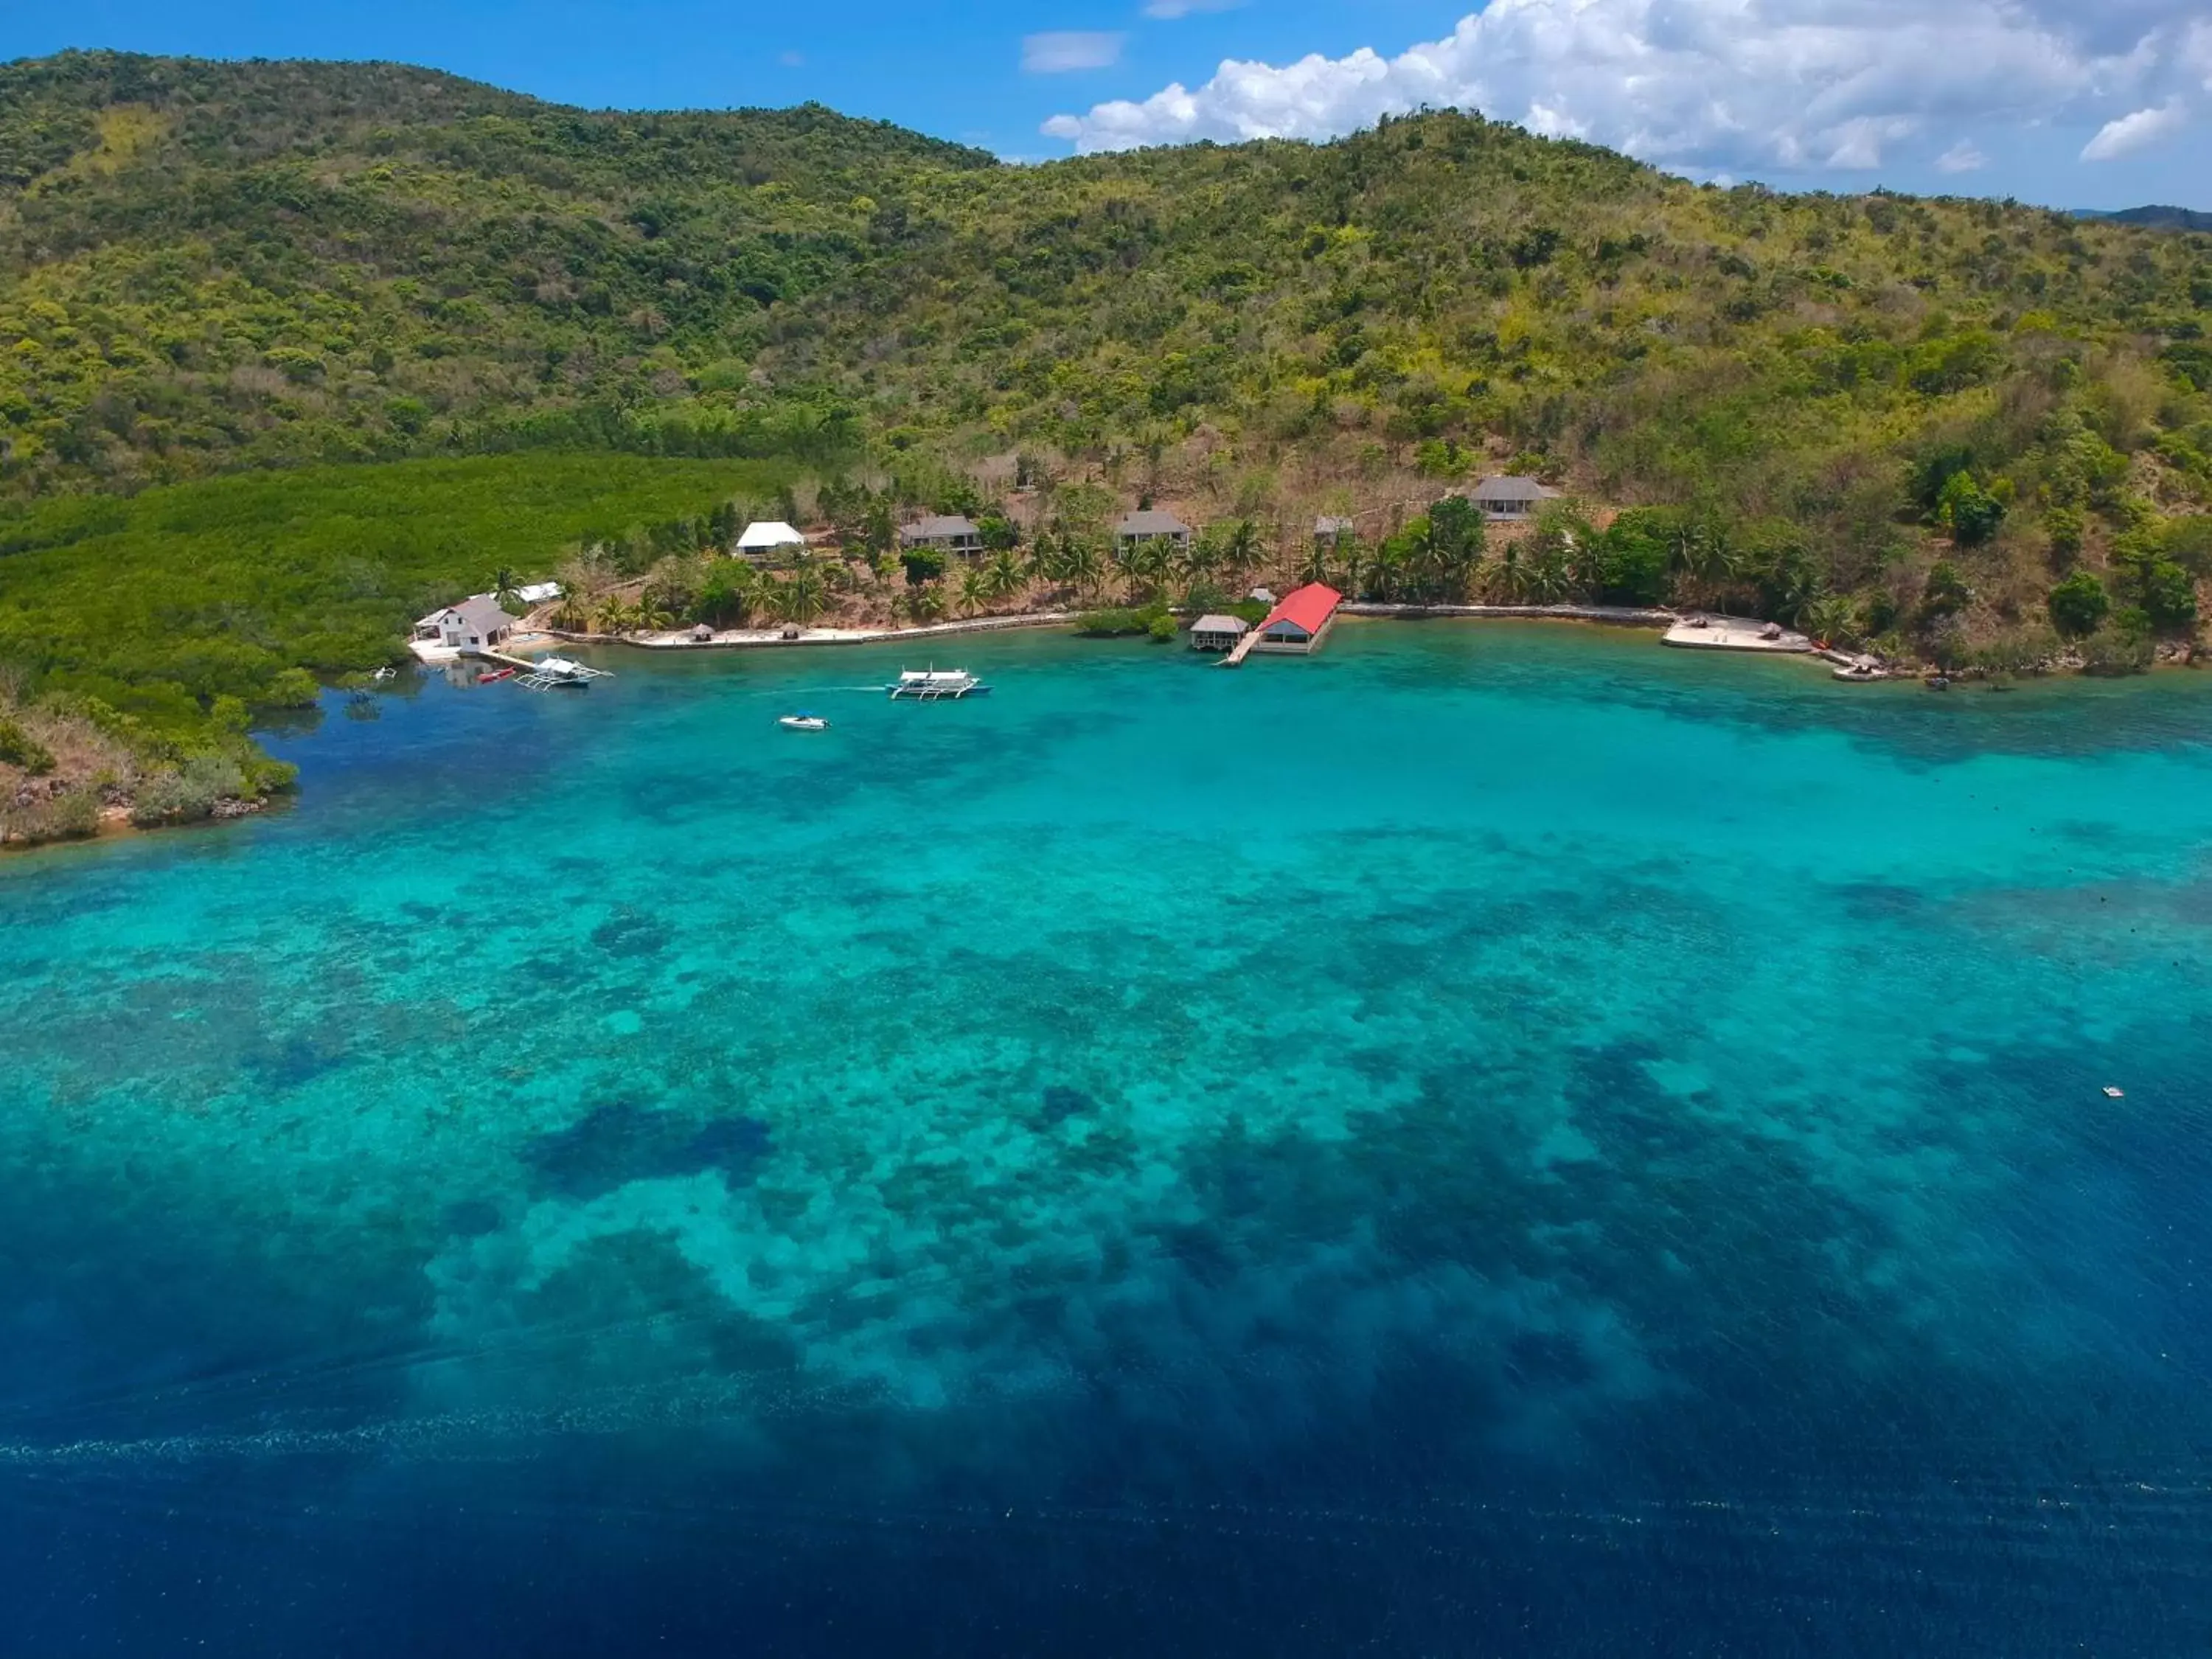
[768, 536]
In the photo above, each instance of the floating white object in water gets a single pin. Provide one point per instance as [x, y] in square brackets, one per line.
[2113, 1091]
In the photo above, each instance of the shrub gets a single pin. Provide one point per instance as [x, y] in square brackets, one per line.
[19, 747]
[2121, 646]
[60, 817]
[190, 791]
[2079, 604]
[293, 687]
[1163, 629]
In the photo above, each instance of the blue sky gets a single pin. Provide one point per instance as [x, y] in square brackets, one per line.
[2089, 103]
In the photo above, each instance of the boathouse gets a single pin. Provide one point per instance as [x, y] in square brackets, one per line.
[1217, 633]
[947, 533]
[476, 622]
[1510, 498]
[1301, 622]
[1140, 528]
[768, 538]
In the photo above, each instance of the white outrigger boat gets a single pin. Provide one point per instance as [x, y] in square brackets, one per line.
[804, 723]
[556, 672]
[936, 685]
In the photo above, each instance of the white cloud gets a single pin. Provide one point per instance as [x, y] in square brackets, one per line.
[1058, 52]
[2133, 132]
[1965, 156]
[1708, 86]
[792, 59]
[1174, 9]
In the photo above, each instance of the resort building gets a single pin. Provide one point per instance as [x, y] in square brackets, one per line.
[538, 592]
[477, 622]
[1510, 498]
[1136, 529]
[947, 533]
[763, 540]
[1217, 633]
[1298, 624]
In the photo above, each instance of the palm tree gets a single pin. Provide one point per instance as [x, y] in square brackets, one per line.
[1316, 568]
[1045, 559]
[1386, 570]
[798, 598]
[1243, 552]
[1146, 561]
[1830, 620]
[1706, 558]
[1550, 578]
[1002, 577]
[504, 581]
[613, 615]
[573, 616]
[927, 602]
[1081, 565]
[971, 589]
[653, 617]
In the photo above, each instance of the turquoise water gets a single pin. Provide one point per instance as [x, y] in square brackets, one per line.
[1493, 1139]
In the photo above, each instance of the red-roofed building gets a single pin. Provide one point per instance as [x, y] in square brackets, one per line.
[1301, 620]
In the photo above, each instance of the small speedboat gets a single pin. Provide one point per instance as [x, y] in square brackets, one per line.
[804, 723]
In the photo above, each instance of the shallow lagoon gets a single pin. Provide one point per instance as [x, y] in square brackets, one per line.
[1493, 1139]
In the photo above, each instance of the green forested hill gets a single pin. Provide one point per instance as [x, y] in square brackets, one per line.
[205, 267]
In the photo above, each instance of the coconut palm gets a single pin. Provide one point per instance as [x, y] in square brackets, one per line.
[971, 589]
[1242, 550]
[504, 582]
[926, 602]
[799, 597]
[1832, 620]
[614, 615]
[1146, 563]
[1081, 565]
[573, 615]
[1047, 561]
[1002, 576]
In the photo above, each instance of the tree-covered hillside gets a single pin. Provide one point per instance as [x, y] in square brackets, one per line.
[210, 266]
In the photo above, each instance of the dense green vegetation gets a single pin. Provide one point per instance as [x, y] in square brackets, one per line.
[161, 603]
[1950, 426]
[155, 625]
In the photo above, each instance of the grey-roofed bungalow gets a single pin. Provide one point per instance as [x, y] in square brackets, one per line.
[1135, 529]
[1511, 497]
[947, 532]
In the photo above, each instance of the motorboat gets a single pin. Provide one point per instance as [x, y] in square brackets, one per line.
[936, 685]
[804, 723]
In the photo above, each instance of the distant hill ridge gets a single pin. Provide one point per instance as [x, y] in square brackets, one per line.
[2154, 217]
[209, 267]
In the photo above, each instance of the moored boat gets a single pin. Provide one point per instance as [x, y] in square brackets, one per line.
[804, 723]
[936, 684]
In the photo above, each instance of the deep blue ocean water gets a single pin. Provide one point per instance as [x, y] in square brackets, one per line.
[1494, 1139]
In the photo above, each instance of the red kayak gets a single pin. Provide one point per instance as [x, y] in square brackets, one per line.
[496, 674]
